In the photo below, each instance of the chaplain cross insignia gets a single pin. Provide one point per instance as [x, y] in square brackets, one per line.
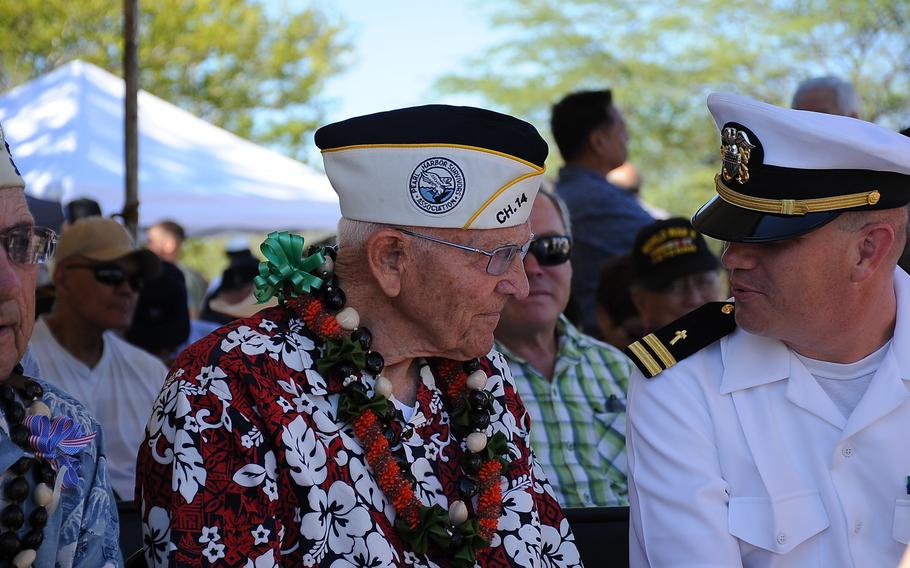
[681, 334]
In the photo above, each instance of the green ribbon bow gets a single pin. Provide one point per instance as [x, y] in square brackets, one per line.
[431, 528]
[285, 270]
[353, 403]
[471, 542]
[344, 349]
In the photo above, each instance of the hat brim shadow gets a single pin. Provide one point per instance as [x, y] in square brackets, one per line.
[727, 222]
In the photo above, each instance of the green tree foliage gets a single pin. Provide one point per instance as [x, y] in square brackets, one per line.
[227, 61]
[662, 58]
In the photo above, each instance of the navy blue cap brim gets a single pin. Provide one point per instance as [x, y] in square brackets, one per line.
[727, 222]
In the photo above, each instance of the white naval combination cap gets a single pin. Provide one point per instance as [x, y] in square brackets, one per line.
[786, 172]
[434, 166]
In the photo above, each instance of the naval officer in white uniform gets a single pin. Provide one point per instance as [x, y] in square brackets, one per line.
[783, 439]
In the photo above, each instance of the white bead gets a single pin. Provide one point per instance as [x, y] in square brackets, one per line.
[477, 380]
[383, 387]
[43, 494]
[477, 441]
[348, 318]
[328, 265]
[458, 513]
[25, 558]
[38, 408]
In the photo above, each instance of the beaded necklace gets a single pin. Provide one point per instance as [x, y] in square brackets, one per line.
[372, 416]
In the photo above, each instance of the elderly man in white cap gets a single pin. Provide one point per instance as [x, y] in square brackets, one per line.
[781, 439]
[58, 509]
[365, 421]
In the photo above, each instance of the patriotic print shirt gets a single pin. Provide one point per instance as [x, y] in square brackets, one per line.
[246, 464]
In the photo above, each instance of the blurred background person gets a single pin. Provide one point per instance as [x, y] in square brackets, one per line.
[591, 135]
[161, 322]
[97, 274]
[628, 177]
[573, 386]
[235, 285]
[166, 239]
[828, 94]
[674, 272]
[617, 316]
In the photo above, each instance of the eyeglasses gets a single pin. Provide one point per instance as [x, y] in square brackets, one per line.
[113, 275]
[551, 250]
[500, 258]
[26, 244]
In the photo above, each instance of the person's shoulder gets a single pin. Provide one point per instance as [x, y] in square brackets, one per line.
[137, 356]
[661, 350]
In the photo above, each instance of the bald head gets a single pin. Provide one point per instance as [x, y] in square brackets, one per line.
[829, 95]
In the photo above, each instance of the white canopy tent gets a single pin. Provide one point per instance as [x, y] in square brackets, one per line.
[66, 134]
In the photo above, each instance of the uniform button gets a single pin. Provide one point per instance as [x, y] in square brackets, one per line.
[781, 538]
[847, 452]
[858, 527]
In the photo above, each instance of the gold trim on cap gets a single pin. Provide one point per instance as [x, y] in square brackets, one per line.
[645, 357]
[662, 352]
[794, 206]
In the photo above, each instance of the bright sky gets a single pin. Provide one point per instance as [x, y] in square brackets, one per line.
[400, 48]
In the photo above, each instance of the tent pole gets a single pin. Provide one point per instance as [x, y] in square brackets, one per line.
[131, 115]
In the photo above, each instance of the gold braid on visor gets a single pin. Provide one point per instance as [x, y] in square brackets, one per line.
[794, 206]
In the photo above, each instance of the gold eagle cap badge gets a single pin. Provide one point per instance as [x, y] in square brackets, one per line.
[735, 149]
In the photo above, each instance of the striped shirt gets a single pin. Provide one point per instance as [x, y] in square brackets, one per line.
[578, 420]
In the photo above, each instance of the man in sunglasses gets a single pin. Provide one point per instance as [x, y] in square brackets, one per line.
[78, 525]
[573, 386]
[97, 275]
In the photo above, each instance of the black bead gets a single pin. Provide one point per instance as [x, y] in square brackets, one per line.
[33, 390]
[328, 289]
[33, 539]
[12, 517]
[480, 420]
[477, 399]
[374, 363]
[330, 252]
[21, 466]
[456, 542]
[44, 472]
[335, 300]
[14, 414]
[9, 544]
[38, 517]
[391, 437]
[7, 394]
[471, 463]
[467, 487]
[364, 337]
[471, 366]
[355, 387]
[344, 369]
[16, 490]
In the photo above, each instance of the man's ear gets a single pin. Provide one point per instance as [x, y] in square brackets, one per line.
[873, 249]
[386, 255]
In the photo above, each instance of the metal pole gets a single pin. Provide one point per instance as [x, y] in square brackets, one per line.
[131, 114]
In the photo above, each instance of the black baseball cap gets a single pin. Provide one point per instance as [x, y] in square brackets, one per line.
[669, 249]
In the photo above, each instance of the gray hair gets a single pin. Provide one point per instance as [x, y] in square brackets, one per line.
[844, 92]
[547, 191]
[353, 234]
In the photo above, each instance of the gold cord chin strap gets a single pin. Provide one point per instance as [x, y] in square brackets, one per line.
[794, 206]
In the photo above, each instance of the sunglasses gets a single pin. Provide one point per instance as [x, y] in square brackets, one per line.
[25, 244]
[113, 275]
[551, 250]
[500, 258]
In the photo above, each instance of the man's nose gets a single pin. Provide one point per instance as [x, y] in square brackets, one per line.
[515, 280]
[738, 256]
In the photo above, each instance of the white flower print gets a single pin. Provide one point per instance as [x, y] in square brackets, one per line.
[523, 547]
[213, 551]
[268, 325]
[157, 538]
[375, 552]
[366, 486]
[209, 534]
[284, 404]
[337, 519]
[252, 475]
[267, 560]
[557, 546]
[260, 535]
[189, 473]
[516, 504]
[428, 488]
[251, 438]
[190, 424]
[304, 453]
[207, 375]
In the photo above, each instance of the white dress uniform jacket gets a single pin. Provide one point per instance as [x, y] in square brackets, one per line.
[737, 457]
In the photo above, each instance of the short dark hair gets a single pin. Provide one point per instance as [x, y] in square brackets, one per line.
[172, 228]
[575, 116]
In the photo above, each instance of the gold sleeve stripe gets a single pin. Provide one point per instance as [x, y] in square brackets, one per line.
[645, 357]
[794, 206]
[665, 356]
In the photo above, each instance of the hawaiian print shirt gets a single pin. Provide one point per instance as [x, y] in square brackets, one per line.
[245, 463]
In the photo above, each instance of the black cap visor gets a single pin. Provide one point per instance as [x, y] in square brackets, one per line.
[727, 222]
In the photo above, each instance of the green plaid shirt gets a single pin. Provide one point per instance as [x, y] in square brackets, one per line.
[578, 421]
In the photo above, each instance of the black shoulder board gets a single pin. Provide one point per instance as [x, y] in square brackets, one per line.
[693, 332]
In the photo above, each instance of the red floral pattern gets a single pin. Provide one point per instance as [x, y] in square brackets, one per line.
[246, 464]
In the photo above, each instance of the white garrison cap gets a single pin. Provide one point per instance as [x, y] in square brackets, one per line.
[9, 173]
[435, 166]
[786, 172]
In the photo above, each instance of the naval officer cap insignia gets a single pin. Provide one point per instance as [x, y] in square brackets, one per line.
[786, 172]
[434, 166]
[689, 334]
